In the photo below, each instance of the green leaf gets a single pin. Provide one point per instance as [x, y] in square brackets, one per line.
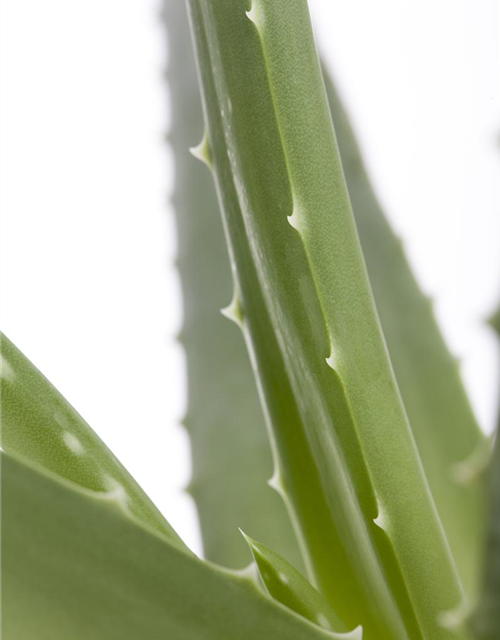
[446, 432]
[326, 559]
[86, 555]
[230, 446]
[286, 585]
[77, 564]
[39, 425]
[305, 299]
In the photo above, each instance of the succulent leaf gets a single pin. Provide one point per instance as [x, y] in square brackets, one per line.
[306, 299]
[224, 418]
[285, 584]
[452, 448]
[82, 560]
[75, 564]
[40, 426]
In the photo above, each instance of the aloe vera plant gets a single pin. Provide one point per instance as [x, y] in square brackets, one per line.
[377, 456]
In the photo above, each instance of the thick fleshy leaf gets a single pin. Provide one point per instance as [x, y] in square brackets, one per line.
[39, 425]
[446, 432]
[286, 585]
[77, 564]
[86, 555]
[230, 446]
[448, 438]
[308, 316]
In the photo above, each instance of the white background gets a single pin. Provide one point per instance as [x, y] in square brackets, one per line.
[89, 291]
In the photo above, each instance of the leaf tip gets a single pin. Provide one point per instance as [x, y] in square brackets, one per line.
[294, 218]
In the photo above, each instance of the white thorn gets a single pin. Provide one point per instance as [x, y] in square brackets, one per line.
[330, 361]
[293, 222]
[355, 634]
[276, 483]
[381, 519]
[202, 151]
[233, 311]
[252, 14]
[294, 219]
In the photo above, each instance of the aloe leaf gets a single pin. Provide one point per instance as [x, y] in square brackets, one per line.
[300, 294]
[448, 438]
[443, 424]
[39, 425]
[86, 555]
[224, 417]
[327, 562]
[288, 586]
[77, 564]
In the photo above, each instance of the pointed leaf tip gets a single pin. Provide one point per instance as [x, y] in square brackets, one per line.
[286, 585]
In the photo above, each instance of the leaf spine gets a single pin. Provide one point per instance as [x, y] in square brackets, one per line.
[276, 483]
[331, 360]
[253, 14]
[294, 219]
[202, 151]
[381, 520]
[234, 310]
[355, 634]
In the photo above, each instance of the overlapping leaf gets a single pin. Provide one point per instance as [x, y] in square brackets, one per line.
[229, 442]
[304, 299]
[86, 555]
